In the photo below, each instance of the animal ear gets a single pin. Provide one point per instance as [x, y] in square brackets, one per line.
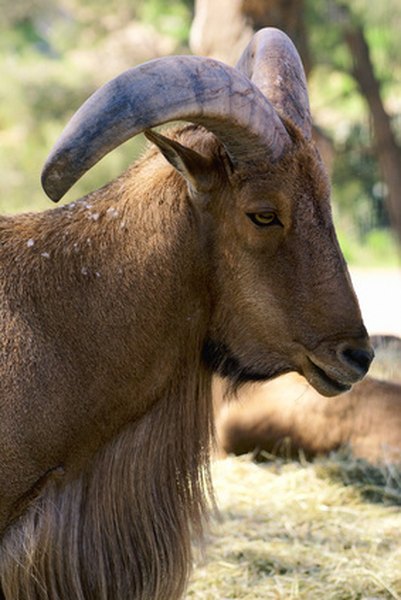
[194, 167]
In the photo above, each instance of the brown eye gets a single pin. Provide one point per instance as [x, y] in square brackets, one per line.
[264, 219]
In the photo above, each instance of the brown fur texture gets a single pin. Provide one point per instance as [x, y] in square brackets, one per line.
[123, 528]
[96, 508]
[115, 311]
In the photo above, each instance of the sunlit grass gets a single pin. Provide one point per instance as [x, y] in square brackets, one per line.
[300, 530]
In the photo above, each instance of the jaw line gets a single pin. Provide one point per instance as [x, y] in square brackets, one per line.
[218, 357]
[222, 361]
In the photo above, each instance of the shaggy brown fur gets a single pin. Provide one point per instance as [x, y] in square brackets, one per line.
[116, 311]
[123, 528]
[117, 524]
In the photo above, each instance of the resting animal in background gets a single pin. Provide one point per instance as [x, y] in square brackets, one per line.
[116, 311]
[286, 416]
[387, 363]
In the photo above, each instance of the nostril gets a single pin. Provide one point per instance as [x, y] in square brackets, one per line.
[359, 358]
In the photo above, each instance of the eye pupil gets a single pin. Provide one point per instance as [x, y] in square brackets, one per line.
[264, 219]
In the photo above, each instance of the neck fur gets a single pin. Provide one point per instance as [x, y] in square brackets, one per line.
[124, 528]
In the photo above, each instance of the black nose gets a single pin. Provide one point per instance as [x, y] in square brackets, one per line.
[358, 358]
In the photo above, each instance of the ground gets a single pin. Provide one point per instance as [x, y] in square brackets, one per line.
[296, 531]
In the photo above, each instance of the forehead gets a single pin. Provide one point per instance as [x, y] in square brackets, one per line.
[299, 178]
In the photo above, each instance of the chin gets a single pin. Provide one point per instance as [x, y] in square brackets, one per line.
[218, 357]
[323, 382]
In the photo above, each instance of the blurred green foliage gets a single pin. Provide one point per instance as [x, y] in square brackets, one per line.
[49, 64]
[359, 193]
[171, 17]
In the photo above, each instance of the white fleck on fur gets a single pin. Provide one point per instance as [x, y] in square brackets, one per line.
[112, 212]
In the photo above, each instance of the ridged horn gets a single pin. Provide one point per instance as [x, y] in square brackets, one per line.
[272, 63]
[188, 88]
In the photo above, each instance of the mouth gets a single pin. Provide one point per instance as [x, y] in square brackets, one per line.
[326, 384]
[327, 378]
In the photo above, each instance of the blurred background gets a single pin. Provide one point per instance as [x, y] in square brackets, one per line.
[54, 54]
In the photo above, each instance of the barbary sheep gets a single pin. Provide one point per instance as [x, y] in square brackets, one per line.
[117, 309]
[288, 417]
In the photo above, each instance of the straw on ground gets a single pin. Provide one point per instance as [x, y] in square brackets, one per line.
[302, 530]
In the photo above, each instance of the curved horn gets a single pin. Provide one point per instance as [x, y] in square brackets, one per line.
[272, 63]
[190, 88]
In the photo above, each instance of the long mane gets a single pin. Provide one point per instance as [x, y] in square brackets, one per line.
[124, 528]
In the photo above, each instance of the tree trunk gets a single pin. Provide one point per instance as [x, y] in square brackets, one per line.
[287, 15]
[387, 150]
[222, 28]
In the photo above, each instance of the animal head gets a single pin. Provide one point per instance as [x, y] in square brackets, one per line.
[279, 293]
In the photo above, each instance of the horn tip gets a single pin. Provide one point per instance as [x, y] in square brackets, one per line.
[52, 183]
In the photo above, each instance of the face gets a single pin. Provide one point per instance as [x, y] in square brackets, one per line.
[283, 300]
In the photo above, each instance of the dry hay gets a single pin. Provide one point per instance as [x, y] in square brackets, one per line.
[329, 530]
